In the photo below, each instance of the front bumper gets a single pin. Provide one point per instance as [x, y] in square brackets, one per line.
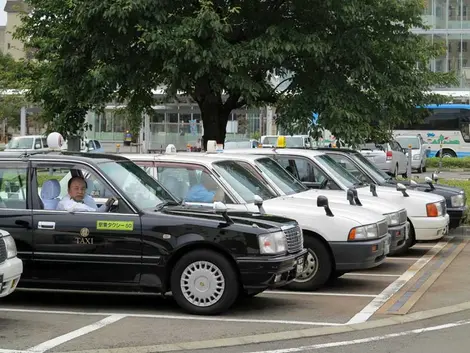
[456, 215]
[360, 255]
[10, 273]
[270, 271]
[398, 236]
[430, 228]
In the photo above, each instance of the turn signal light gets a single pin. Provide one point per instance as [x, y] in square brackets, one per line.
[431, 210]
[352, 234]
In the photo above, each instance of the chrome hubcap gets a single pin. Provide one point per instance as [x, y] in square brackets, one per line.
[310, 268]
[202, 283]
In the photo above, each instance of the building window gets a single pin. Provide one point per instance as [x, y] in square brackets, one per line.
[9, 45]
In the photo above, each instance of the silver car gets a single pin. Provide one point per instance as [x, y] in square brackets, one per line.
[418, 150]
[389, 157]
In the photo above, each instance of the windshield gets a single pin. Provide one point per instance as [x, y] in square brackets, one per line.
[292, 141]
[378, 175]
[19, 143]
[283, 179]
[244, 180]
[138, 186]
[406, 141]
[334, 168]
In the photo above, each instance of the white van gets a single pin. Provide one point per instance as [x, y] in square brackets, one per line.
[11, 267]
[426, 212]
[340, 237]
[27, 143]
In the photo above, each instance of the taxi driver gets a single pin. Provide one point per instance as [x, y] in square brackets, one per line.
[77, 199]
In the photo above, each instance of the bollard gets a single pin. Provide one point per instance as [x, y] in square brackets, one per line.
[410, 159]
[118, 146]
[440, 158]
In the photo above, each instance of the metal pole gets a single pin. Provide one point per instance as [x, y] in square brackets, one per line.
[440, 158]
[23, 121]
[410, 158]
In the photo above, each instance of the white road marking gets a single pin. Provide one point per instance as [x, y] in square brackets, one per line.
[173, 317]
[2, 350]
[48, 345]
[370, 274]
[396, 285]
[404, 258]
[368, 339]
[321, 294]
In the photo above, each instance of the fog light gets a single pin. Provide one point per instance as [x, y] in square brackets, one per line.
[277, 278]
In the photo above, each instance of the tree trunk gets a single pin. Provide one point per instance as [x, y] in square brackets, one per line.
[214, 119]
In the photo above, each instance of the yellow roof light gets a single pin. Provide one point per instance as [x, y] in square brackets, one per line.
[281, 142]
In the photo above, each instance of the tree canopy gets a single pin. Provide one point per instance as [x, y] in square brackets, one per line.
[354, 62]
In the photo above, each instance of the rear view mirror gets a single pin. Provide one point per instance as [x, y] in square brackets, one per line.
[259, 203]
[322, 201]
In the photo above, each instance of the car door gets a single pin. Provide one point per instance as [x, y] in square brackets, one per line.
[15, 209]
[82, 249]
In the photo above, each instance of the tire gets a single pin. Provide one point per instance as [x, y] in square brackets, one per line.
[335, 275]
[212, 267]
[420, 169]
[316, 276]
[424, 169]
[395, 173]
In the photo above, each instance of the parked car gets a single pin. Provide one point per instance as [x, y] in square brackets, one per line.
[148, 241]
[236, 144]
[389, 157]
[339, 237]
[87, 145]
[419, 150]
[285, 184]
[291, 141]
[427, 212]
[11, 267]
[367, 172]
[27, 143]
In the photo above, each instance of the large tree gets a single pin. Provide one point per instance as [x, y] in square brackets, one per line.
[352, 61]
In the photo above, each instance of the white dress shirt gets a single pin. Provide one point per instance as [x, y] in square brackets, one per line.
[88, 205]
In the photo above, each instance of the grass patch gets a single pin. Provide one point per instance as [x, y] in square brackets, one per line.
[454, 163]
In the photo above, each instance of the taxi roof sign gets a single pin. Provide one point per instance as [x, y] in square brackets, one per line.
[55, 140]
[281, 142]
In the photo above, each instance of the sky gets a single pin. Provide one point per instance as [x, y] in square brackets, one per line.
[3, 14]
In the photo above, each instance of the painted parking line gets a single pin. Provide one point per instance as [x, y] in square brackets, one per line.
[370, 274]
[327, 294]
[171, 317]
[57, 341]
[403, 258]
[396, 285]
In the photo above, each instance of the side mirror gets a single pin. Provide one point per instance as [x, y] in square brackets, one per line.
[373, 189]
[259, 203]
[413, 183]
[221, 208]
[356, 198]
[435, 177]
[428, 180]
[322, 201]
[402, 188]
[350, 196]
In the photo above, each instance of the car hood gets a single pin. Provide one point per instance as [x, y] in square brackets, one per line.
[393, 194]
[241, 218]
[295, 206]
[339, 196]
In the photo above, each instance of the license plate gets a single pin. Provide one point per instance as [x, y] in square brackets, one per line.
[300, 266]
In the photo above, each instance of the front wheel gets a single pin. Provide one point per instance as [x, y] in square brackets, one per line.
[317, 269]
[204, 282]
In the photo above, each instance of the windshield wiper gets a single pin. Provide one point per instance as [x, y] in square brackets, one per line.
[163, 204]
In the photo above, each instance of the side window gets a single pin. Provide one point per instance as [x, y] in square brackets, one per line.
[13, 188]
[44, 143]
[191, 183]
[52, 182]
[350, 167]
[97, 144]
[37, 144]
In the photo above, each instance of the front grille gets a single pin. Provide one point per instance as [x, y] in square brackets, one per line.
[383, 228]
[294, 239]
[402, 217]
[3, 251]
[444, 208]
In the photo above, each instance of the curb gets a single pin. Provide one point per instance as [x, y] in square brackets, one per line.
[286, 335]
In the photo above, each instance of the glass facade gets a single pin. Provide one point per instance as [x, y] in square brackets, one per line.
[179, 124]
[450, 24]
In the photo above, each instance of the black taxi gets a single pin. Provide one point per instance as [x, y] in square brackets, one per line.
[145, 241]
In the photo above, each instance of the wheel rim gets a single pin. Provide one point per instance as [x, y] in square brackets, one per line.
[202, 283]
[310, 268]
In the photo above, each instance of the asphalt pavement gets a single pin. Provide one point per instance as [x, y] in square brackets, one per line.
[59, 322]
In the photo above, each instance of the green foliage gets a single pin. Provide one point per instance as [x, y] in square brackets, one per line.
[453, 163]
[352, 61]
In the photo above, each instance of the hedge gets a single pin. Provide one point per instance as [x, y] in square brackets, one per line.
[465, 185]
[453, 163]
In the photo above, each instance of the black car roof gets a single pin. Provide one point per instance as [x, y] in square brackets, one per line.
[60, 156]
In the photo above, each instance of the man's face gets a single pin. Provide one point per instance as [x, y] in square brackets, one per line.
[77, 190]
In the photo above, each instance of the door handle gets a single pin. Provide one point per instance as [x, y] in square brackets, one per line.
[46, 225]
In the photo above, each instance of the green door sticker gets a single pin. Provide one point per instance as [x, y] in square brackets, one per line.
[115, 225]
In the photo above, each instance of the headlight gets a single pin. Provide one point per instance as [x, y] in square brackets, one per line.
[363, 233]
[393, 218]
[272, 243]
[457, 200]
[10, 246]
[434, 209]
[416, 157]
